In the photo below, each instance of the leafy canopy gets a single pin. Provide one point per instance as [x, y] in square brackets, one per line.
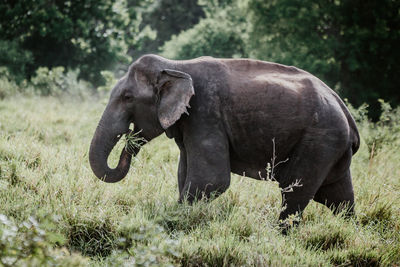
[91, 35]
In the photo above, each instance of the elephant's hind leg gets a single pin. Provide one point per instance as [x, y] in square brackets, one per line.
[337, 190]
[309, 173]
[338, 195]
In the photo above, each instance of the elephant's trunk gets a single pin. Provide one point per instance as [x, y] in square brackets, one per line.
[100, 148]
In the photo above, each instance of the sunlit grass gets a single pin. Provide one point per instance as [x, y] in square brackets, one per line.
[44, 171]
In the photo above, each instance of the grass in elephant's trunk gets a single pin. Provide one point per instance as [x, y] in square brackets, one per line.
[133, 141]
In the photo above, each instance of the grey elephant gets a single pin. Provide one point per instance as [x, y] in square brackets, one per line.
[223, 114]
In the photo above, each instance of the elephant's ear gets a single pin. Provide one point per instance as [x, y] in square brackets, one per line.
[175, 88]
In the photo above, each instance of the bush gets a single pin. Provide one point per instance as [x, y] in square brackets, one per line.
[383, 132]
[110, 81]
[27, 244]
[56, 81]
[7, 84]
[49, 82]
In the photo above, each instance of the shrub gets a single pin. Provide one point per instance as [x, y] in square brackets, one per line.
[377, 134]
[56, 81]
[7, 84]
[110, 81]
[49, 81]
[27, 244]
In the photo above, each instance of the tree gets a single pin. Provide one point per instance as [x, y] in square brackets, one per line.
[167, 18]
[349, 44]
[90, 35]
[220, 34]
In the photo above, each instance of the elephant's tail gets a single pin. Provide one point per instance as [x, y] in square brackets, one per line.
[354, 134]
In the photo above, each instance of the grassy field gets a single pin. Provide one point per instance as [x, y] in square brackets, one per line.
[54, 211]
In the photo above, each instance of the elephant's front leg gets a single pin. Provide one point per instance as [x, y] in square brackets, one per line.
[182, 167]
[208, 166]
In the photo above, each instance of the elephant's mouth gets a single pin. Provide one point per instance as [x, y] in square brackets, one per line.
[122, 134]
[133, 141]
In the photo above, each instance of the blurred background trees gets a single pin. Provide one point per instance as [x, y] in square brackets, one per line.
[166, 18]
[351, 45]
[91, 35]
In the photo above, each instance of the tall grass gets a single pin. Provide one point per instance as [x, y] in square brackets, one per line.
[45, 176]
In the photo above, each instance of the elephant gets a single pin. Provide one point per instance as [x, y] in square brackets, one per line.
[234, 116]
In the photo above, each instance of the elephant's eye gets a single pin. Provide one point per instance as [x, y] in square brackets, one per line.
[128, 97]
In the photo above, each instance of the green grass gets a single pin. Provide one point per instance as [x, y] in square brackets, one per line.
[44, 173]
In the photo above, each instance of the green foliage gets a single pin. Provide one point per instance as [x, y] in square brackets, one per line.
[295, 33]
[385, 131]
[22, 241]
[15, 58]
[91, 35]
[8, 86]
[27, 244]
[48, 82]
[166, 18]
[110, 82]
[56, 82]
[220, 34]
[348, 44]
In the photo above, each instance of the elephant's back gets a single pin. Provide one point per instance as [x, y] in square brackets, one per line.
[266, 101]
[256, 67]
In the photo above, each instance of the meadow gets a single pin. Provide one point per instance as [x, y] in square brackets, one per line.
[55, 212]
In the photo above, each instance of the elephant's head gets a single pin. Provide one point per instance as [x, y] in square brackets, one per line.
[152, 96]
